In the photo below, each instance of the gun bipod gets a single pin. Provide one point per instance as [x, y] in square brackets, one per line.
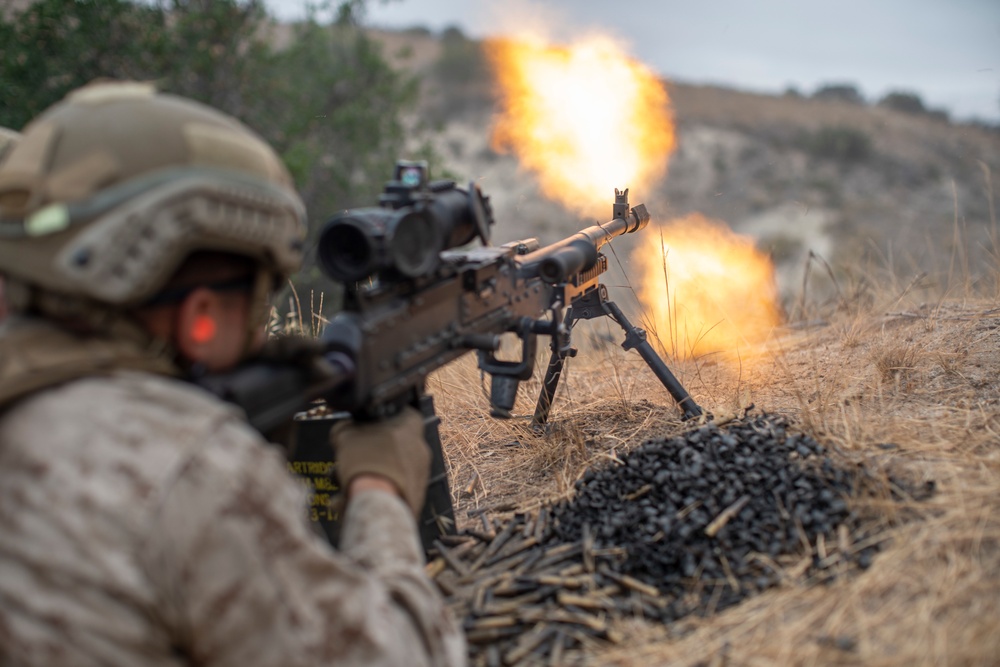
[597, 304]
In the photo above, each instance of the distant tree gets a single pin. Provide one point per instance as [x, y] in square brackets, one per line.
[418, 31]
[453, 33]
[461, 61]
[842, 92]
[839, 143]
[911, 103]
[213, 51]
[332, 105]
[793, 92]
[940, 115]
[54, 46]
[460, 79]
[905, 101]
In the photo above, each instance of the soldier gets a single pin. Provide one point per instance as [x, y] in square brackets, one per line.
[142, 522]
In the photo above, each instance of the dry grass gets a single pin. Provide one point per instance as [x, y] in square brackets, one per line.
[597, 413]
[908, 385]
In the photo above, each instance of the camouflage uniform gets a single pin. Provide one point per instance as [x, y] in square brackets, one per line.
[142, 522]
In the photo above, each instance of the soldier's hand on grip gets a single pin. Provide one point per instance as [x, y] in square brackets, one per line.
[394, 448]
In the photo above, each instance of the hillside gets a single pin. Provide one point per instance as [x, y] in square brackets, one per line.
[883, 227]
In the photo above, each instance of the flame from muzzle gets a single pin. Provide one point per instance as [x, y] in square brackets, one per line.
[585, 118]
[707, 288]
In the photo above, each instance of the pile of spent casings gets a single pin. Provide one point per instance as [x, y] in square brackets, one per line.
[691, 524]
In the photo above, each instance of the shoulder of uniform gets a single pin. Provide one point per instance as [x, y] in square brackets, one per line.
[147, 411]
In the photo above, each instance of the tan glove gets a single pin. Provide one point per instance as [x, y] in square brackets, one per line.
[394, 448]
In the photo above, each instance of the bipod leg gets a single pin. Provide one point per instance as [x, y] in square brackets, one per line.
[560, 350]
[635, 338]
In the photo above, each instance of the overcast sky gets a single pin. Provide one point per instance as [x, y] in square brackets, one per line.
[948, 51]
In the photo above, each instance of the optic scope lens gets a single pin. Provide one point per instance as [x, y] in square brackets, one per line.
[404, 236]
[363, 242]
[415, 247]
[346, 250]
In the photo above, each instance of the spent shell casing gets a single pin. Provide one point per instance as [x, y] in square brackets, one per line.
[542, 525]
[456, 540]
[587, 546]
[487, 622]
[491, 635]
[528, 529]
[528, 564]
[505, 566]
[526, 644]
[452, 561]
[558, 648]
[498, 541]
[493, 656]
[631, 583]
[512, 547]
[435, 567]
[590, 601]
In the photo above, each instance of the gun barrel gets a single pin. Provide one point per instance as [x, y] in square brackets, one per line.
[555, 263]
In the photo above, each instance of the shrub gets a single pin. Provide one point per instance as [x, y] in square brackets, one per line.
[909, 102]
[841, 92]
[838, 142]
[418, 31]
[904, 101]
[461, 61]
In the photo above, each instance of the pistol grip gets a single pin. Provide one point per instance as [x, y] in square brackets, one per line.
[503, 393]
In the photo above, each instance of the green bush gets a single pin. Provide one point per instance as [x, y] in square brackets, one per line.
[328, 102]
[904, 101]
[461, 61]
[842, 92]
[911, 103]
[839, 143]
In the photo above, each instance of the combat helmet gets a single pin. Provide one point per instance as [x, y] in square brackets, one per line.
[110, 190]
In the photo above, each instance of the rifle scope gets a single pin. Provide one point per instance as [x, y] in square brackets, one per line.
[405, 234]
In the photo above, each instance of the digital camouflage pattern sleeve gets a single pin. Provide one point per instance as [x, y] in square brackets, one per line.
[142, 522]
[255, 585]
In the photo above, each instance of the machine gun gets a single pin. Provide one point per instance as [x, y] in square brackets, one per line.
[418, 296]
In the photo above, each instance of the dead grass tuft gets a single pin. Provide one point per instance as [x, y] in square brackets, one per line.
[894, 360]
